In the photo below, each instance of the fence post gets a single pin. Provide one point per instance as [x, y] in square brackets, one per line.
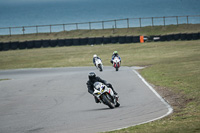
[76, 26]
[128, 22]
[10, 31]
[37, 29]
[152, 22]
[90, 25]
[187, 20]
[140, 22]
[103, 25]
[23, 30]
[164, 20]
[177, 20]
[115, 24]
[63, 27]
[50, 28]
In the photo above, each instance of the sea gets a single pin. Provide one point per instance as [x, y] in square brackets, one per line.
[30, 16]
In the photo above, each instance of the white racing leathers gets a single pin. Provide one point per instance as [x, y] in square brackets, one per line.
[99, 64]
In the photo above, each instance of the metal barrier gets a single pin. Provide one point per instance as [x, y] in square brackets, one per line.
[108, 24]
[95, 41]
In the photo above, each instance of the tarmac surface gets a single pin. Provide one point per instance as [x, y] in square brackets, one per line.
[56, 100]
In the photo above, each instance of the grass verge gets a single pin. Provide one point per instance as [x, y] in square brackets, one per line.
[4, 79]
[173, 67]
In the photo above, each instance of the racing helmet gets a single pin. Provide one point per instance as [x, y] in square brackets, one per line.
[115, 53]
[94, 56]
[92, 75]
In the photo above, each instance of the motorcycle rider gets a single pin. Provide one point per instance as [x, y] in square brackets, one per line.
[95, 57]
[90, 84]
[115, 54]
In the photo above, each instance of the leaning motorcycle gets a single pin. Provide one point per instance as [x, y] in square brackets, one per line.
[116, 63]
[99, 64]
[105, 95]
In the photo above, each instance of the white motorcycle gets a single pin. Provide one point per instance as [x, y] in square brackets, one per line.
[99, 64]
[105, 95]
[116, 63]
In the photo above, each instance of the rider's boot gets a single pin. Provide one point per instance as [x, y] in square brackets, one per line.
[114, 92]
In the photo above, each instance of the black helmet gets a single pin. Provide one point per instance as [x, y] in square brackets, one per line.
[91, 75]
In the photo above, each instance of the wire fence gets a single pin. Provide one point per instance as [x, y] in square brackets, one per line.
[108, 24]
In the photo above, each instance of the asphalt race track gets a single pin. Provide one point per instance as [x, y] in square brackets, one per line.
[55, 100]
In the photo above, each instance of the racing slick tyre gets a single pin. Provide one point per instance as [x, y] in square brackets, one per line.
[117, 69]
[100, 68]
[107, 101]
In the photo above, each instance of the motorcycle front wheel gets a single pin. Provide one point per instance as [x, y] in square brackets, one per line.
[100, 68]
[107, 101]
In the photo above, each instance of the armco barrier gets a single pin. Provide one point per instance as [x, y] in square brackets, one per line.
[106, 40]
[95, 40]
[151, 38]
[199, 35]
[30, 44]
[45, 43]
[6, 46]
[14, 45]
[83, 41]
[68, 42]
[53, 43]
[61, 42]
[98, 40]
[22, 45]
[177, 36]
[129, 39]
[136, 39]
[195, 36]
[91, 41]
[122, 39]
[76, 41]
[183, 36]
[1, 46]
[38, 44]
[156, 38]
[170, 37]
[114, 39]
[189, 36]
[163, 38]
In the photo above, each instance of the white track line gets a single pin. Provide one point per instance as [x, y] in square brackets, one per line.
[170, 109]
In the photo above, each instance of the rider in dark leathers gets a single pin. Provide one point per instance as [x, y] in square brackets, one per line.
[92, 79]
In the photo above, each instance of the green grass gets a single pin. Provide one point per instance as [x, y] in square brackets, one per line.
[172, 66]
[4, 79]
[147, 31]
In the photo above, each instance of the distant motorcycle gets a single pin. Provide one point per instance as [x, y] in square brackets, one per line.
[99, 64]
[116, 63]
[105, 95]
